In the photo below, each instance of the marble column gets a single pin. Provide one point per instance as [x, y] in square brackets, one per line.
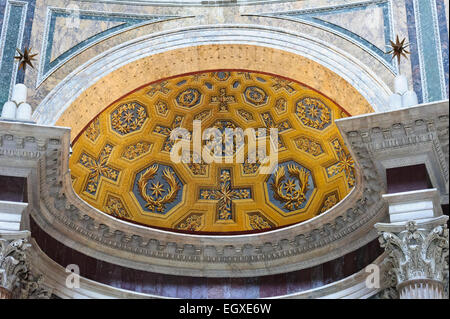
[417, 241]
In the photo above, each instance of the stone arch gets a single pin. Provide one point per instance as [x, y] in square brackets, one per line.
[104, 79]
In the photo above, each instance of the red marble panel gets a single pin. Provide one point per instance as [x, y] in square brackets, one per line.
[407, 178]
[13, 189]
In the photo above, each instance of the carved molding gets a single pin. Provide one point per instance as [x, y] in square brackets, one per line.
[12, 262]
[410, 136]
[31, 287]
[61, 213]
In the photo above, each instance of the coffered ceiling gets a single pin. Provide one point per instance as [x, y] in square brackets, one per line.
[121, 161]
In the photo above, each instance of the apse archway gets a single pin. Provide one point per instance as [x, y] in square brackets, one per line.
[83, 94]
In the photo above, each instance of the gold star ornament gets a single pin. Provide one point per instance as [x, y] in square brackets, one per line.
[399, 49]
[25, 58]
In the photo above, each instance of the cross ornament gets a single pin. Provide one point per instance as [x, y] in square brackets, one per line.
[98, 168]
[223, 99]
[282, 126]
[282, 84]
[164, 130]
[225, 194]
[344, 165]
[159, 87]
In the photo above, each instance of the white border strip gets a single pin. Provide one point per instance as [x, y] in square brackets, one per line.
[343, 64]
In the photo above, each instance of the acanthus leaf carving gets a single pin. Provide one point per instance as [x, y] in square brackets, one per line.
[417, 253]
[16, 275]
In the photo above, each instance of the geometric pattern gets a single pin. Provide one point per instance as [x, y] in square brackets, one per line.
[309, 146]
[193, 222]
[128, 117]
[163, 130]
[114, 206]
[313, 113]
[131, 152]
[223, 99]
[121, 163]
[281, 106]
[157, 188]
[270, 123]
[330, 200]
[226, 146]
[256, 96]
[93, 130]
[258, 221]
[345, 164]
[98, 169]
[225, 194]
[282, 84]
[189, 98]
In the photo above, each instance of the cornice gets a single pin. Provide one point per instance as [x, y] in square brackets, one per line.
[63, 215]
[403, 137]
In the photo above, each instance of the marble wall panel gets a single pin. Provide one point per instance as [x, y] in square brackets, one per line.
[16, 17]
[423, 22]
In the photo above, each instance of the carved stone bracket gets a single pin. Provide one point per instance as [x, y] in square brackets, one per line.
[418, 253]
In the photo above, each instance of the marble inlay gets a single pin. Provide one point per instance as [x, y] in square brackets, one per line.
[369, 23]
[15, 19]
[91, 27]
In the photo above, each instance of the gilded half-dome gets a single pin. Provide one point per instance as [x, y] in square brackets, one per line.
[121, 162]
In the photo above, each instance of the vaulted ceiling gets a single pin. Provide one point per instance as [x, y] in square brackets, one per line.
[121, 161]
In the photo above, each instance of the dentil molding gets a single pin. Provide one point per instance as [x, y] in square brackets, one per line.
[58, 210]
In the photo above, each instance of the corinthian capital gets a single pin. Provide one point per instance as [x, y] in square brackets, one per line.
[418, 251]
[17, 279]
[12, 261]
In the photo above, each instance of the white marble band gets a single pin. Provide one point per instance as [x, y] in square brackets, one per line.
[353, 71]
